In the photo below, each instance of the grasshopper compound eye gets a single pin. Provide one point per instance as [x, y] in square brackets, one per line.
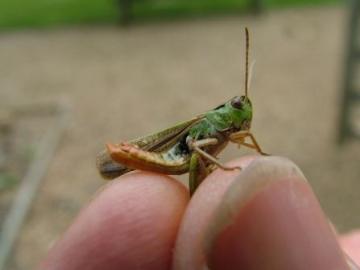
[237, 103]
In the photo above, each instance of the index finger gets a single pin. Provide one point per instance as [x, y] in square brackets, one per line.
[131, 224]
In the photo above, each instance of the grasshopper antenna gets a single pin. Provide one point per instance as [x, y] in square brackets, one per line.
[246, 62]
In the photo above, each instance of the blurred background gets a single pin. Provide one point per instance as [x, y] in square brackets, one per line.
[75, 74]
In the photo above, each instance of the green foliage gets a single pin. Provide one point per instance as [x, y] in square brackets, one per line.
[35, 13]
[176, 8]
[24, 13]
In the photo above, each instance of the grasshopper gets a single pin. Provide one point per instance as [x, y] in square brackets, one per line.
[191, 146]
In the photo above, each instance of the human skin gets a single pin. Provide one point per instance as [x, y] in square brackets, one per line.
[262, 217]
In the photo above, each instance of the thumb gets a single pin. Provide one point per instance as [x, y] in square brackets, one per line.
[270, 219]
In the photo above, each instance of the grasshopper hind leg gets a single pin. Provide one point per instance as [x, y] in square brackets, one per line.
[108, 168]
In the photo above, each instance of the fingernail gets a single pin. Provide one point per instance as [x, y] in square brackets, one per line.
[270, 219]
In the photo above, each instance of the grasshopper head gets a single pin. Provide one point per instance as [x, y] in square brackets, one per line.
[241, 112]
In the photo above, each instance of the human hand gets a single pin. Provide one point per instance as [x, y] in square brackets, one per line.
[263, 217]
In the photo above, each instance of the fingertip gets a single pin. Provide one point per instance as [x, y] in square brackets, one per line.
[131, 223]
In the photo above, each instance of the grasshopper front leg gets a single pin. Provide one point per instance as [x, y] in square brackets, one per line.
[239, 138]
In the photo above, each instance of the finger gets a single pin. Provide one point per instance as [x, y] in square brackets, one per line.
[270, 219]
[131, 224]
[188, 252]
[350, 242]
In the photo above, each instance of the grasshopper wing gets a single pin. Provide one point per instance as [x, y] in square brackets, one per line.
[156, 142]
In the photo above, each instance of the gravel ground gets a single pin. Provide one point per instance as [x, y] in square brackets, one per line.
[122, 83]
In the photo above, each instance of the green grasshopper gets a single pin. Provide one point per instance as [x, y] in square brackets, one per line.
[191, 146]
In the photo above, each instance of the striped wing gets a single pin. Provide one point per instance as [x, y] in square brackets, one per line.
[157, 142]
